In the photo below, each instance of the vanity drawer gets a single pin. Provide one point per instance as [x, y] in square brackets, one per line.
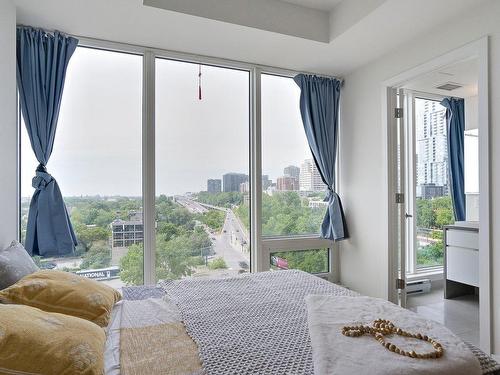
[462, 265]
[462, 238]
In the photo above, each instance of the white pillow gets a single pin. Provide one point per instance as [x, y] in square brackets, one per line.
[15, 263]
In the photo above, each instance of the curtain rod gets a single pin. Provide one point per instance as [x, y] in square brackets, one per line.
[108, 44]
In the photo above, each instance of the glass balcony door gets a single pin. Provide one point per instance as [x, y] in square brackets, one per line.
[429, 204]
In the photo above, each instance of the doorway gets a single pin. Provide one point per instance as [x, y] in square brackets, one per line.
[435, 266]
[439, 251]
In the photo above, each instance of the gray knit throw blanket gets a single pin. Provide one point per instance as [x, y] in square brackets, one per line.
[253, 323]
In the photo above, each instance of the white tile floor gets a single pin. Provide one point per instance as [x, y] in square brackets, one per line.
[460, 315]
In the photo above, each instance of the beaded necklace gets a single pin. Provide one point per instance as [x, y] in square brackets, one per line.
[382, 327]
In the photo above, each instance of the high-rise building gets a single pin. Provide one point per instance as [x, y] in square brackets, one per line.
[232, 181]
[214, 185]
[310, 179]
[292, 171]
[125, 233]
[266, 182]
[432, 148]
[287, 183]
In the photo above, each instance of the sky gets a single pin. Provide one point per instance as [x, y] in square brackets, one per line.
[98, 146]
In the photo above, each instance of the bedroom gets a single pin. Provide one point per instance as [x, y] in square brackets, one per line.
[141, 67]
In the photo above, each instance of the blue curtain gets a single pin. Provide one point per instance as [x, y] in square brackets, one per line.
[319, 107]
[455, 117]
[42, 59]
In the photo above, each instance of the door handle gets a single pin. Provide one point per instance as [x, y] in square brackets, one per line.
[408, 216]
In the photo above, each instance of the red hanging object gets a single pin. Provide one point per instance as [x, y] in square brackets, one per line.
[199, 82]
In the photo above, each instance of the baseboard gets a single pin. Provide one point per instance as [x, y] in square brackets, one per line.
[437, 283]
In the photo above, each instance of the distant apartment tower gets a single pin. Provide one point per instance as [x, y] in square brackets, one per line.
[214, 186]
[125, 233]
[232, 181]
[310, 179]
[432, 150]
[287, 183]
[266, 182]
[292, 171]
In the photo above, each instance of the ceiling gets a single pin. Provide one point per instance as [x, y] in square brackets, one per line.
[464, 73]
[275, 33]
[324, 5]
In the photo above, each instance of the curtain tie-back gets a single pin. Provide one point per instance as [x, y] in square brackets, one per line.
[41, 179]
[329, 194]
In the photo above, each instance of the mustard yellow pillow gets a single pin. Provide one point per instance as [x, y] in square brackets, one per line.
[33, 341]
[65, 293]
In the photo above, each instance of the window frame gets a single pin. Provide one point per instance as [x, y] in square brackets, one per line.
[411, 147]
[301, 243]
[260, 247]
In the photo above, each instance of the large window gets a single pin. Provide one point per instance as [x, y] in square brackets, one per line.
[198, 220]
[97, 163]
[202, 170]
[293, 191]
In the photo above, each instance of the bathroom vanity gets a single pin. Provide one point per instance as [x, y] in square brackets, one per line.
[461, 259]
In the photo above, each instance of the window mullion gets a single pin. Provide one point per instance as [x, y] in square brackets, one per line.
[148, 166]
[257, 258]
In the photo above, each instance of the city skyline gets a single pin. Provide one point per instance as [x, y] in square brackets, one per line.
[289, 180]
[218, 182]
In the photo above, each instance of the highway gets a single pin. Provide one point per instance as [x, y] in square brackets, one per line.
[191, 205]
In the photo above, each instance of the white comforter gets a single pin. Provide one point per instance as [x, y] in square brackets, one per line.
[334, 353]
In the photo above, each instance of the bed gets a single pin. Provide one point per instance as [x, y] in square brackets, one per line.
[249, 324]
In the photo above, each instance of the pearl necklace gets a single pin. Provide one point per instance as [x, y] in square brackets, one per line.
[382, 327]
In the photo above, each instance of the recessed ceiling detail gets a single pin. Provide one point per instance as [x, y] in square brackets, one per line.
[277, 16]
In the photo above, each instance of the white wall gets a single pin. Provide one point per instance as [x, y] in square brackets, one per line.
[8, 131]
[471, 160]
[471, 112]
[363, 181]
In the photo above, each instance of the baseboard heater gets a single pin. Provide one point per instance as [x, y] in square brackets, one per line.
[418, 286]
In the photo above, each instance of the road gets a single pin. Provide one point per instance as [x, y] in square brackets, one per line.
[232, 243]
[234, 227]
[235, 260]
[234, 236]
[191, 205]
